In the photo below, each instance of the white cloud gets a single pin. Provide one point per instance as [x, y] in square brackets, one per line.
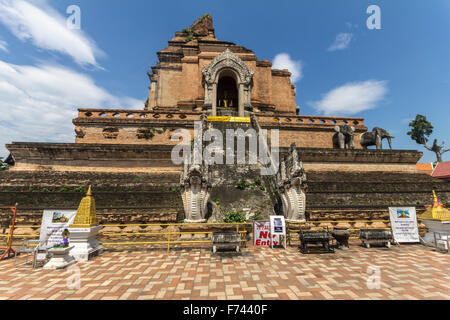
[341, 42]
[406, 120]
[47, 29]
[3, 46]
[284, 61]
[38, 103]
[352, 98]
[351, 25]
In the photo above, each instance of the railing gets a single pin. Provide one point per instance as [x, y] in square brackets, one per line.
[9, 237]
[180, 115]
[8, 251]
[137, 114]
[294, 227]
[309, 120]
[172, 235]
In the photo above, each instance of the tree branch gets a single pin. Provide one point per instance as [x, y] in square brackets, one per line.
[426, 146]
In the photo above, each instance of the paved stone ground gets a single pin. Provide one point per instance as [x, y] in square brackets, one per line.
[407, 272]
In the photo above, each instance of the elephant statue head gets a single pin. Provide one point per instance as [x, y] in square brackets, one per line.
[375, 138]
[344, 137]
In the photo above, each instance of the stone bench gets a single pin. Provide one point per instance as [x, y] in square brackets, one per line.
[226, 240]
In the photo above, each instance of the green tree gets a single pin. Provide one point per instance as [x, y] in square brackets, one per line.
[3, 166]
[421, 129]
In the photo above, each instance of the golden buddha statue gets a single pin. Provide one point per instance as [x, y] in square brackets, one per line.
[226, 101]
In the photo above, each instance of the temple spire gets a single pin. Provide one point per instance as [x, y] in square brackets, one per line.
[86, 216]
[436, 211]
[203, 26]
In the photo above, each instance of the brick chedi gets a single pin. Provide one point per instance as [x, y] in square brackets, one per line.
[127, 153]
[192, 51]
[198, 74]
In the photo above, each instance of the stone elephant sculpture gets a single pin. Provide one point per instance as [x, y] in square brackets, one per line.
[375, 138]
[344, 137]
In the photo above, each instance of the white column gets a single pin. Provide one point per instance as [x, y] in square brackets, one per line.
[214, 100]
[241, 110]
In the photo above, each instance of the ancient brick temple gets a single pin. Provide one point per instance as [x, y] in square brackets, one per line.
[125, 154]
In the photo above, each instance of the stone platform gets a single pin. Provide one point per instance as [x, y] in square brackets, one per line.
[407, 272]
[150, 158]
[155, 197]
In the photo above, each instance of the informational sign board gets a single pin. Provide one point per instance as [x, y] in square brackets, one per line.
[262, 234]
[404, 224]
[278, 228]
[54, 222]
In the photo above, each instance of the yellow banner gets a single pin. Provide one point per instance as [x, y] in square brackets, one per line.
[229, 119]
[219, 119]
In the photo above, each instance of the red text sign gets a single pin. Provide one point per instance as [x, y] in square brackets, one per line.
[261, 234]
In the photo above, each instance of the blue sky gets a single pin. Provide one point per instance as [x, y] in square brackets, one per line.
[341, 67]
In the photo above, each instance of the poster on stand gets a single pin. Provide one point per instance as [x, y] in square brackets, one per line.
[404, 224]
[262, 234]
[54, 222]
[278, 228]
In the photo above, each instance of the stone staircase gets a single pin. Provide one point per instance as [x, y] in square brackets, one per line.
[238, 187]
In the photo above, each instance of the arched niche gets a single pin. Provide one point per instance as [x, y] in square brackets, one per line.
[227, 65]
[227, 100]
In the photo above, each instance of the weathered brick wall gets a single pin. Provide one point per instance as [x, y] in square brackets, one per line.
[157, 158]
[157, 134]
[147, 198]
[283, 96]
[353, 195]
[120, 198]
[263, 76]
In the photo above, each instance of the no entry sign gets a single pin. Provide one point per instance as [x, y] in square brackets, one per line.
[261, 234]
